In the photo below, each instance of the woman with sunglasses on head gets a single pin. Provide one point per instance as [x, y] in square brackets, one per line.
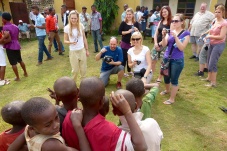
[166, 15]
[74, 35]
[176, 40]
[217, 36]
[139, 58]
[126, 29]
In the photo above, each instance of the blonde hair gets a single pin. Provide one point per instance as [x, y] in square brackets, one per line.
[133, 17]
[222, 8]
[137, 34]
[181, 16]
[78, 24]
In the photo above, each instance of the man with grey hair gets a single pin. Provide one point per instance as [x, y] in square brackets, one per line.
[124, 13]
[199, 25]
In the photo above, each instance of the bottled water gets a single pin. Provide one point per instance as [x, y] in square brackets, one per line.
[132, 29]
[149, 77]
[181, 40]
[207, 41]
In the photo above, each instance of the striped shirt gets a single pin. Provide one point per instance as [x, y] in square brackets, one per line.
[95, 20]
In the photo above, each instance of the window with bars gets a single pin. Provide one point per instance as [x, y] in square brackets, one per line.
[160, 3]
[186, 7]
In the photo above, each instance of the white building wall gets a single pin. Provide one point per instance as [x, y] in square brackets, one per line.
[222, 1]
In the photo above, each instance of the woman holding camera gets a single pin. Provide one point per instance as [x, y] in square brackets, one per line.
[166, 16]
[139, 58]
[177, 40]
[126, 29]
[217, 36]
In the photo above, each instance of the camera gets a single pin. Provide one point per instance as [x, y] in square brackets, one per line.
[108, 59]
[138, 62]
[167, 30]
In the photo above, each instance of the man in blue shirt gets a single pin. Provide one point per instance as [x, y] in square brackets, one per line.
[40, 28]
[24, 29]
[113, 64]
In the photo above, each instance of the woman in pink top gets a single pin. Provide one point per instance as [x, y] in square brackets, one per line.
[217, 36]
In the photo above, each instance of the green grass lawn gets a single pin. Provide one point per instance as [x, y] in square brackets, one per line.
[193, 123]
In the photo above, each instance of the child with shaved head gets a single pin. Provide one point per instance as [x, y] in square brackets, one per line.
[65, 91]
[11, 114]
[42, 130]
[149, 127]
[144, 101]
[101, 134]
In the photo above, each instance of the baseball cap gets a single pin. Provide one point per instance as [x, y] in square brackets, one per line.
[20, 21]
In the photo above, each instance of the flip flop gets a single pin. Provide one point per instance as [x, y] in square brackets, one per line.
[168, 102]
[164, 92]
[158, 81]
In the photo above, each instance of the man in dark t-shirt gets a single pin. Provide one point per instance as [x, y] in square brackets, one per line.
[112, 59]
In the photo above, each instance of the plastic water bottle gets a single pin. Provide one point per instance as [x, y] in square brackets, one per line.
[149, 77]
[132, 29]
[207, 41]
[181, 40]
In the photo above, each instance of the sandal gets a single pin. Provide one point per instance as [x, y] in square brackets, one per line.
[205, 80]
[168, 102]
[164, 92]
[210, 85]
[158, 81]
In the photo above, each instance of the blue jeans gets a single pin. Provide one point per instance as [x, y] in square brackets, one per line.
[56, 45]
[175, 68]
[97, 36]
[42, 48]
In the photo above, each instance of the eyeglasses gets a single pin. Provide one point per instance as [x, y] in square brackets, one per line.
[175, 21]
[136, 39]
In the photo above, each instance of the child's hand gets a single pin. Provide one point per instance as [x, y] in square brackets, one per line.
[31, 132]
[53, 96]
[76, 117]
[120, 102]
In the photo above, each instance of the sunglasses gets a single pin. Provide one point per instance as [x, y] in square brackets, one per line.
[136, 39]
[175, 21]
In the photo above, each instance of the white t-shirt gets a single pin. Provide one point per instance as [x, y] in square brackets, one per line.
[75, 37]
[2, 56]
[138, 15]
[152, 18]
[151, 131]
[139, 57]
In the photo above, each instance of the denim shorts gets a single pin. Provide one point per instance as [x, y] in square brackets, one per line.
[175, 68]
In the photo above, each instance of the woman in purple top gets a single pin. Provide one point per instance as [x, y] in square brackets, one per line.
[177, 58]
[13, 47]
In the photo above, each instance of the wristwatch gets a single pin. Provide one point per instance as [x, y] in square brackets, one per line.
[145, 77]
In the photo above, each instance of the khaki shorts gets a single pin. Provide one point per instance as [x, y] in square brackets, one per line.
[195, 40]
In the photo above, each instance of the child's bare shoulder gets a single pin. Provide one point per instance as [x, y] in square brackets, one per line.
[56, 145]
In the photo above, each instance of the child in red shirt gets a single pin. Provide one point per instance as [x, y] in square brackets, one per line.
[11, 114]
[101, 134]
